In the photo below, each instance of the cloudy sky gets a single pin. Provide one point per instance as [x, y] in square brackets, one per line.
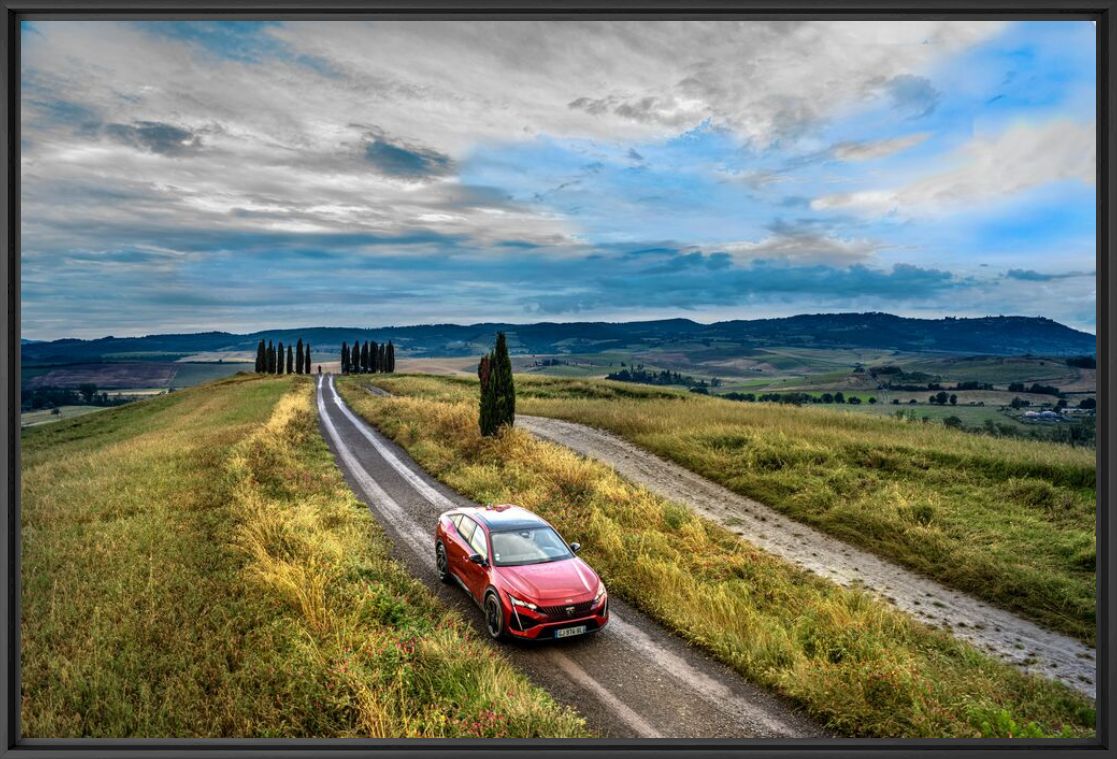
[184, 176]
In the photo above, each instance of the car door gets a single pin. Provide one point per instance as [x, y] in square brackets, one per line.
[457, 545]
[475, 576]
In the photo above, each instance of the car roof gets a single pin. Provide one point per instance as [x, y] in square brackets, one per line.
[504, 516]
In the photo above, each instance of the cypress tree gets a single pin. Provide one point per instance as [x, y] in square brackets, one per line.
[261, 357]
[344, 358]
[279, 359]
[381, 356]
[299, 357]
[306, 359]
[504, 390]
[290, 360]
[374, 357]
[391, 359]
[364, 357]
[485, 417]
[355, 357]
[269, 367]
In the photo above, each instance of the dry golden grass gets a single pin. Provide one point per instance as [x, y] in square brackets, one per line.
[853, 662]
[194, 565]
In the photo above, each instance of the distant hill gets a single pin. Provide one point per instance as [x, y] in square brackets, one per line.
[994, 335]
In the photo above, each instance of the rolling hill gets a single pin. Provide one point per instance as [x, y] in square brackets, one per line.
[994, 335]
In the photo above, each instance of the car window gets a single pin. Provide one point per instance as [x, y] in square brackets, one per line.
[456, 519]
[466, 528]
[477, 541]
[530, 545]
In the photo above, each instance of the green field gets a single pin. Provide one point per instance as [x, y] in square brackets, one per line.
[194, 565]
[856, 664]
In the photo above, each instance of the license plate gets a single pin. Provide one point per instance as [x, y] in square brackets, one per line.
[567, 632]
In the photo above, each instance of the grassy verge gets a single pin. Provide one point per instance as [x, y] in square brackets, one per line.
[853, 662]
[194, 565]
[1010, 521]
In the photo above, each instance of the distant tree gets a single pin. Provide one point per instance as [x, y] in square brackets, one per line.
[87, 390]
[290, 360]
[374, 358]
[941, 397]
[872, 401]
[1019, 402]
[1061, 404]
[953, 421]
[391, 356]
[1088, 403]
[355, 358]
[827, 398]
[382, 356]
[306, 358]
[299, 357]
[487, 412]
[270, 367]
[953, 400]
[344, 358]
[280, 353]
[839, 397]
[261, 357]
[364, 357]
[854, 400]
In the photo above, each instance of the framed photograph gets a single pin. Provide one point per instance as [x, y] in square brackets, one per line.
[406, 379]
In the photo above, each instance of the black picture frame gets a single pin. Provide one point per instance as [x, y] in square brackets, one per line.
[1102, 11]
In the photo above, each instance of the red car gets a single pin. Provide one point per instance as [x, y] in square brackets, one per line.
[524, 576]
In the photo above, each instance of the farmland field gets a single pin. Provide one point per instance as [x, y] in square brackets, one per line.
[853, 662]
[194, 565]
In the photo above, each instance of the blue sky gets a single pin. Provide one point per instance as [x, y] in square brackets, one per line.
[181, 176]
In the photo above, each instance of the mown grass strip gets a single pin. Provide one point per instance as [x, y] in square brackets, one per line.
[857, 665]
[194, 565]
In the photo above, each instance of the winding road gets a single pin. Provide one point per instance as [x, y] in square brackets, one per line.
[999, 632]
[634, 679]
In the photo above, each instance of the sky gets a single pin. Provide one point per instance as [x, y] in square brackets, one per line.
[182, 176]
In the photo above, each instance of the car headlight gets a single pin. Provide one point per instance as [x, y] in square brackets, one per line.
[526, 604]
[600, 593]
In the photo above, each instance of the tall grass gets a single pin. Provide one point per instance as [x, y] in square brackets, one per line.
[853, 662]
[1010, 521]
[194, 565]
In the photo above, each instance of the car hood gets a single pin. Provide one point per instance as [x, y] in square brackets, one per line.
[551, 581]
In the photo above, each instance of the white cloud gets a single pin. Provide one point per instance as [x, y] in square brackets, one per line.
[870, 151]
[986, 169]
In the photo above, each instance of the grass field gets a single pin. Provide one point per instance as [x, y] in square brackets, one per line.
[194, 565]
[853, 662]
[1011, 521]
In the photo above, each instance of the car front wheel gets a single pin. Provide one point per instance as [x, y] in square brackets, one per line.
[494, 617]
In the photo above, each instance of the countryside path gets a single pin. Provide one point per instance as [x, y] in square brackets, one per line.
[992, 629]
[634, 679]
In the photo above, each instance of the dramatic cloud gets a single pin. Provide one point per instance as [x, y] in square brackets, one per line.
[236, 175]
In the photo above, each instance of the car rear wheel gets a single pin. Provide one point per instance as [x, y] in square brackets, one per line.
[494, 617]
[442, 562]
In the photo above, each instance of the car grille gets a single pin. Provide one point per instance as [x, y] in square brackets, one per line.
[568, 610]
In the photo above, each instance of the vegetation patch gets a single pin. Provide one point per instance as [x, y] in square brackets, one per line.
[194, 565]
[854, 663]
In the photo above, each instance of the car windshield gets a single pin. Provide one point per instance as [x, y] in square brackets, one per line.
[528, 545]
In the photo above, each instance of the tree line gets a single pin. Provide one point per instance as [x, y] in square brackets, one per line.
[275, 359]
[368, 357]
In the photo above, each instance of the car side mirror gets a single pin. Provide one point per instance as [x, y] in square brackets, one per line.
[477, 558]
[575, 547]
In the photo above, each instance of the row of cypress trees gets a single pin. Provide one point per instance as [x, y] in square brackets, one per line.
[368, 358]
[498, 393]
[272, 359]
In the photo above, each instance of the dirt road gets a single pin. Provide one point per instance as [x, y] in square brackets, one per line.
[999, 632]
[634, 679]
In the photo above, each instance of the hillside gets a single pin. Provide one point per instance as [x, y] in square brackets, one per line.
[224, 582]
[994, 335]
